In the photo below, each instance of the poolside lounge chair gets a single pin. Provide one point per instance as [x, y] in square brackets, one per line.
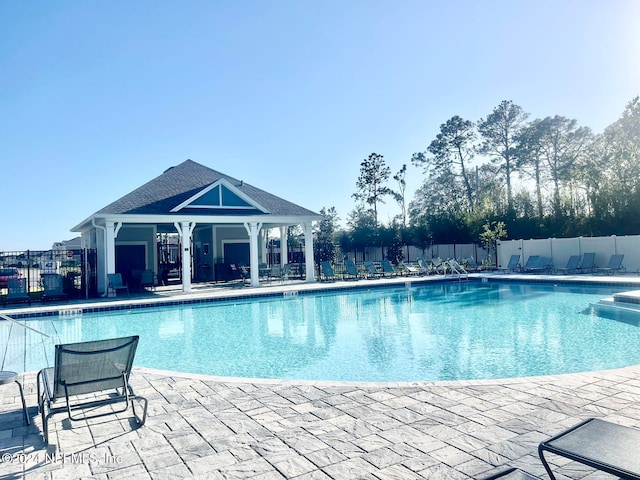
[599, 444]
[99, 367]
[408, 269]
[541, 265]
[387, 268]
[472, 265]
[456, 268]
[326, 271]
[17, 289]
[53, 288]
[532, 262]
[371, 270]
[351, 271]
[588, 263]
[116, 283]
[435, 265]
[571, 266]
[513, 265]
[614, 265]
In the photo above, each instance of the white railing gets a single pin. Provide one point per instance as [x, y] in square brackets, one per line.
[25, 348]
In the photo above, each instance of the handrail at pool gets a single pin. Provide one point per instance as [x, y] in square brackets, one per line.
[8, 318]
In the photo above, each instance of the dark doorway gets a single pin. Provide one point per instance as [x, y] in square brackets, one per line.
[236, 253]
[130, 258]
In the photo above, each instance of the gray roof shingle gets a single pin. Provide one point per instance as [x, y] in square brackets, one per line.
[179, 183]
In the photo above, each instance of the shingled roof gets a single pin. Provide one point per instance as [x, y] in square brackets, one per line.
[178, 184]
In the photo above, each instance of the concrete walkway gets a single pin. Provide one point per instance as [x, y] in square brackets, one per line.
[221, 428]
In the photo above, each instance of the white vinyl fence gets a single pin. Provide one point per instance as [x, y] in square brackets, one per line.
[560, 249]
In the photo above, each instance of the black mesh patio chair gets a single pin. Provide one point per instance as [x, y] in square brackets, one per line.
[88, 375]
[571, 267]
[614, 265]
[513, 265]
[588, 263]
[371, 271]
[387, 268]
[116, 283]
[602, 445]
[326, 271]
[351, 271]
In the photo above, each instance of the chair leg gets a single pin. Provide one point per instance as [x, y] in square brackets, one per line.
[545, 463]
[24, 405]
[144, 409]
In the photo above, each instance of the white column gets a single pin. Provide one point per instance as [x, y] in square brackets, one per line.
[253, 229]
[263, 250]
[110, 247]
[185, 229]
[308, 252]
[284, 240]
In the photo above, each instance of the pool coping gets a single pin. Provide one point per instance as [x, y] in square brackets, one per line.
[560, 377]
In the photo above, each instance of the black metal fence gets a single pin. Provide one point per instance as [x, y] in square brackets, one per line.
[74, 268]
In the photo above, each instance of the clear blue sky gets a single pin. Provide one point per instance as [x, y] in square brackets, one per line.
[98, 97]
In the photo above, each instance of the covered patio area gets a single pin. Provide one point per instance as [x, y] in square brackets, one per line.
[197, 222]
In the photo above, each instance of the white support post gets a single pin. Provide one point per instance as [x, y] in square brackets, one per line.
[308, 252]
[253, 229]
[110, 247]
[263, 250]
[284, 241]
[185, 229]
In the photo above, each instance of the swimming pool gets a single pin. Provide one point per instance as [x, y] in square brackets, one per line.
[446, 331]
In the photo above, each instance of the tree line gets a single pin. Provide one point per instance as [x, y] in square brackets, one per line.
[502, 175]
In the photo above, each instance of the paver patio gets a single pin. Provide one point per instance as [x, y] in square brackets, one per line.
[215, 427]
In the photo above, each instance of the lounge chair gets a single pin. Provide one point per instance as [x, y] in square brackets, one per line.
[17, 290]
[614, 265]
[387, 268]
[541, 265]
[408, 269]
[370, 270]
[513, 265]
[571, 267]
[116, 283]
[456, 267]
[532, 262]
[326, 271]
[472, 265]
[435, 266]
[599, 444]
[53, 288]
[351, 271]
[100, 367]
[588, 263]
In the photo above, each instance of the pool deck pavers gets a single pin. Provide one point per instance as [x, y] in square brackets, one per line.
[225, 428]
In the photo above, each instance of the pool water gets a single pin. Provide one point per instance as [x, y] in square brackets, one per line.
[447, 331]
